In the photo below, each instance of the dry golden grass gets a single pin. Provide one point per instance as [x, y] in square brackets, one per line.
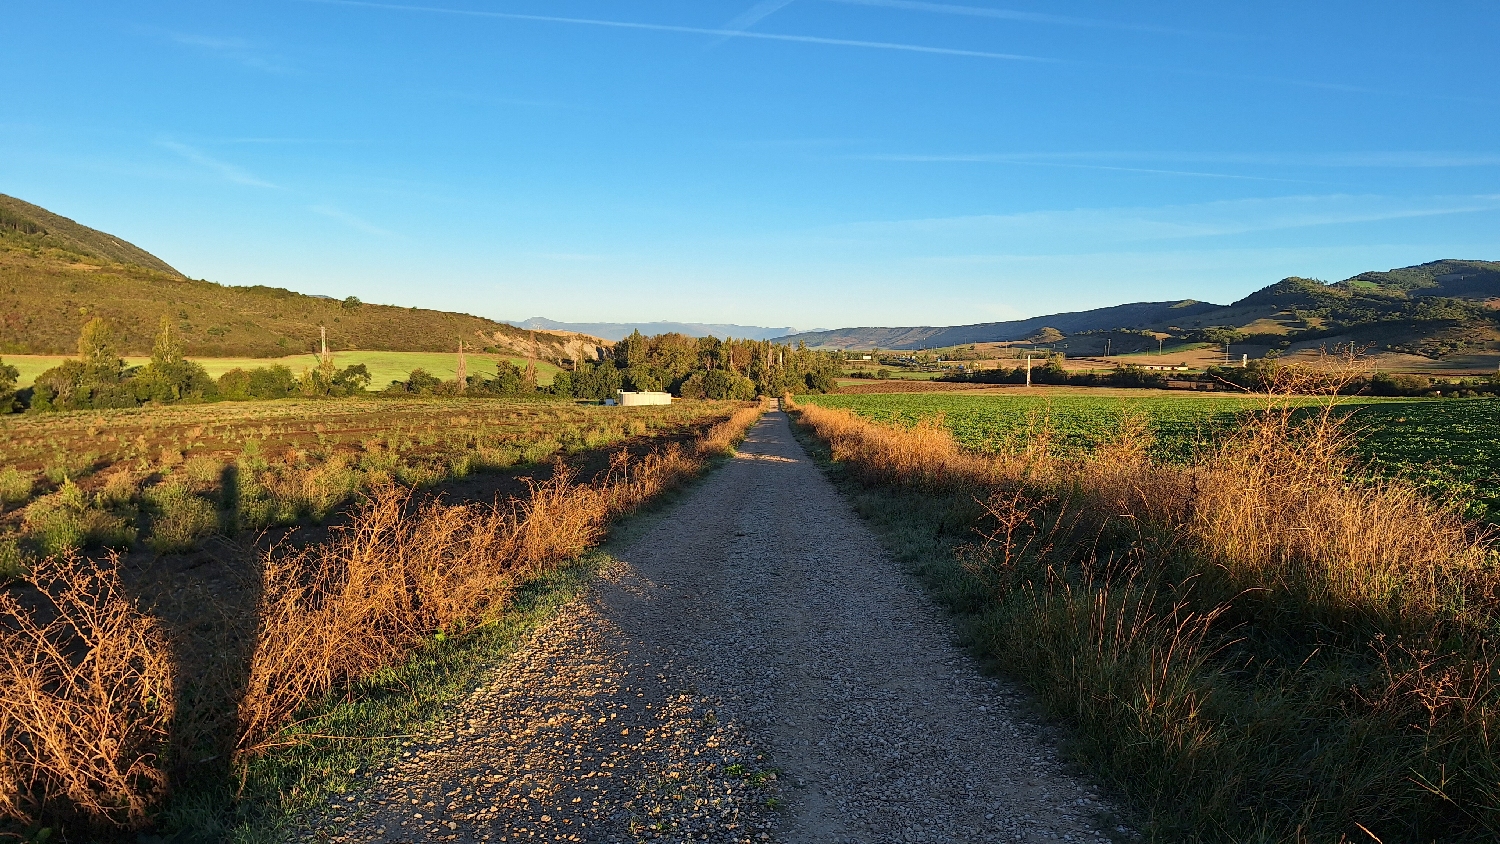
[1258, 644]
[87, 704]
[86, 699]
[1273, 506]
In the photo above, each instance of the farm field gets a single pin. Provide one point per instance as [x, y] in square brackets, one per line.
[1450, 446]
[108, 477]
[384, 366]
[420, 528]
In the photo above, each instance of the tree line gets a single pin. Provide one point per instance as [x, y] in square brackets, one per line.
[99, 378]
[688, 367]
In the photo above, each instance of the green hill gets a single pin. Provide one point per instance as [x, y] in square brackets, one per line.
[28, 225]
[1445, 312]
[56, 274]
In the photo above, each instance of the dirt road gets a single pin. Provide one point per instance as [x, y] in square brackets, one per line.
[752, 668]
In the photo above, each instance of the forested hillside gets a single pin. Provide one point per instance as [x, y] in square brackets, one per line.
[56, 275]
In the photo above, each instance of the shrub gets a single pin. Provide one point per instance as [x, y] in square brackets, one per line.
[119, 490]
[202, 472]
[234, 385]
[8, 398]
[65, 466]
[179, 519]
[64, 521]
[14, 562]
[15, 485]
[271, 382]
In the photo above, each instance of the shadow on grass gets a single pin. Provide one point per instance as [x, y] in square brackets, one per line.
[341, 738]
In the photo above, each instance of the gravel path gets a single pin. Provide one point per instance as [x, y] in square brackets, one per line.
[753, 668]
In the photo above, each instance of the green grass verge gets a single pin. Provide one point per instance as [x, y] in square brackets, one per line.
[384, 367]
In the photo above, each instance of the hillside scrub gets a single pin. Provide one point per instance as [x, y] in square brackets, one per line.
[99, 721]
[46, 259]
[1250, 644]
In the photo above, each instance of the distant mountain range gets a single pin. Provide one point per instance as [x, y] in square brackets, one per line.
[1137, 315]
[620, 330]
[1441, 309]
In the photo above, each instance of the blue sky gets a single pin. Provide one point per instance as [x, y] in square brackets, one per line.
[807, 163]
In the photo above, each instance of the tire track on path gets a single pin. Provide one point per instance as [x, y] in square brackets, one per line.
[755, 626]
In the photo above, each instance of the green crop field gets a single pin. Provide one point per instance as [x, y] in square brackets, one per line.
[384, 366]
[1449, 446]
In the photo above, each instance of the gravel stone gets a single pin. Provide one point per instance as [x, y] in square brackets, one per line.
[752, 668]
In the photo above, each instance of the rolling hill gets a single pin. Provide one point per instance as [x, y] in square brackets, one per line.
[1440, 311]
[621, 330]
[1136, 315]
[56, 274]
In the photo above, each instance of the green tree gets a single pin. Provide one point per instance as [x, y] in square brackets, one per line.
[171, 377]
[92, 380]
[98, 353]
[352, 379]
[8, 377]
[509, 379]
[271, 382]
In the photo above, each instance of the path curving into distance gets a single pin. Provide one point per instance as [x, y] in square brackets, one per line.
[754, 627]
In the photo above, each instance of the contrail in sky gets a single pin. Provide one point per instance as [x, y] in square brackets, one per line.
[1010, 14]
[757, 13]
[695, 30]
[750, 17]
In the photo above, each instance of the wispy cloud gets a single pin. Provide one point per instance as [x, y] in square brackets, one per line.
[1409, 159]
[695, 30]
[350, 220]
[224, 170]
[291, 141]
[1129, 161]
[1013, 15]
[1030, 161]
[1085, 229]
[238, 50]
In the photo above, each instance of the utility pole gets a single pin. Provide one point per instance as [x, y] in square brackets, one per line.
[462, 376]
[1106, 347]
[1159, 342]
[323, 344]
[530, 374]
[1028, 370]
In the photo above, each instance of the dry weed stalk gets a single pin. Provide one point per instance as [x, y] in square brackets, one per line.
[86, 699]
[399, 572]
[86, 695]
[1112, 581]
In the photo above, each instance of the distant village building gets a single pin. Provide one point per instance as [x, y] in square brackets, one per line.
[628, 399]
